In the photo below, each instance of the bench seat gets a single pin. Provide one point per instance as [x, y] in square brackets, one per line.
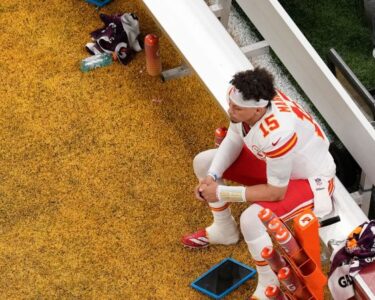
[205, 44]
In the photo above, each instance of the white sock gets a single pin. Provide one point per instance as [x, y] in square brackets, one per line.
[265, 274]
[265, 277]
[224, 229]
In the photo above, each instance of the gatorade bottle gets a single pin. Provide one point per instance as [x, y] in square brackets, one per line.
[274, 225]
[153, 61]
[294, 285]
[290, 245]
[266, 216]
[220, 134]
[274, 259]
[273, 292]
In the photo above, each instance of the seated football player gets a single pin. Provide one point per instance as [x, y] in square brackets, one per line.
[277, 153]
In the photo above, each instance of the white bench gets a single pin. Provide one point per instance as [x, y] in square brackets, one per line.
[215, 57]
[203, 41]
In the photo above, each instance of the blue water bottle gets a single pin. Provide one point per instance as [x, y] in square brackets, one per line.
[96, 61]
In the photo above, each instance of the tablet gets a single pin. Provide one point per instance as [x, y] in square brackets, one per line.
[99, 3]
[223, 278]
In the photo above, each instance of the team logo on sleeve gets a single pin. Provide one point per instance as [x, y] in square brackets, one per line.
[259, 153]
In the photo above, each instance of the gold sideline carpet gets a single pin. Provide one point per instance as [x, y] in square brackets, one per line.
[95, 175]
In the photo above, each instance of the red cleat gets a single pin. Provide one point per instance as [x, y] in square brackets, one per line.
[196, 240]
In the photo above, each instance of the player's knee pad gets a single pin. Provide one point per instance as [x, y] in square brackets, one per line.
[251, 226]
[202, 162]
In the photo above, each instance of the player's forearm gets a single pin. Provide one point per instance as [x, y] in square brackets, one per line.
[264, 192]
[261, 192]
[227, 153]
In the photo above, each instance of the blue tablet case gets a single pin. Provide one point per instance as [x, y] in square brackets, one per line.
[247, 273]
[99, 3]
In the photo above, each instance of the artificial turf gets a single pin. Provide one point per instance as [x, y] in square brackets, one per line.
[341, 25]
[96, 179]
[95, 176]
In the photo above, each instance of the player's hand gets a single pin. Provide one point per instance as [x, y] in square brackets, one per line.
[198, 194]
[205, 181]
[209, 191]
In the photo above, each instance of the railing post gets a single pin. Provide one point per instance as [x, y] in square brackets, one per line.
[225, 10]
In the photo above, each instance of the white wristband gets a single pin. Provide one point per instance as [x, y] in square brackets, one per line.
[231, 193]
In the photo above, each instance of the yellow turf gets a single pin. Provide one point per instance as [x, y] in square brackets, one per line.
[95, 176]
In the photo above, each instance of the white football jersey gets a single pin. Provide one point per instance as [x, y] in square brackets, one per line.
[290, 141]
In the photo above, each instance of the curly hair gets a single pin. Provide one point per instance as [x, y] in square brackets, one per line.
[255, 84]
